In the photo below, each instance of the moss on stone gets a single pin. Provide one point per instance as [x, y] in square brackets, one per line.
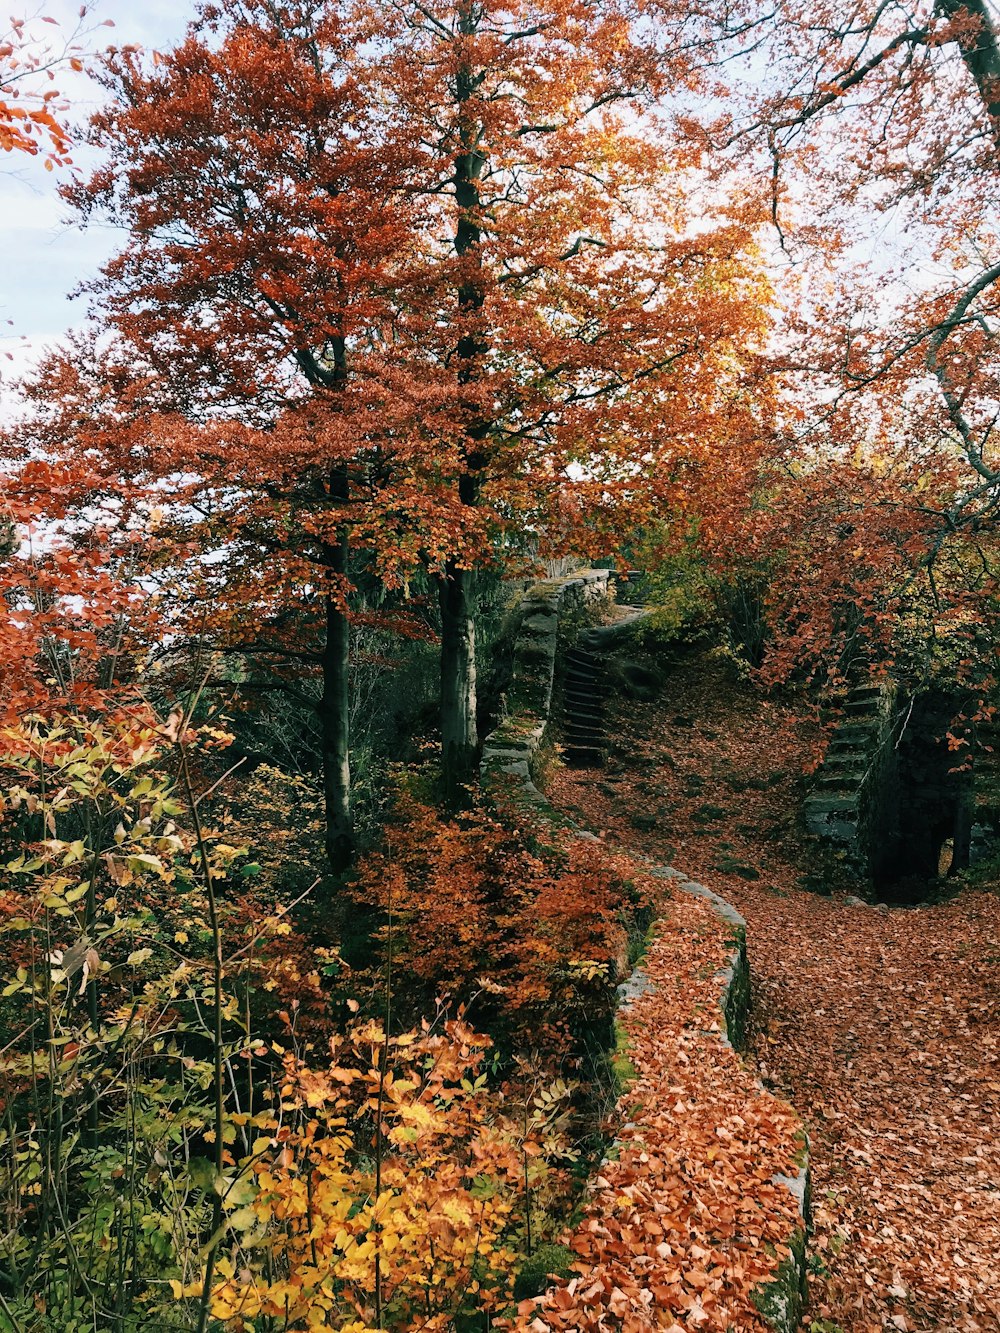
[782, 1301]
[736, 1000]
[538, 1270]
[623, 1071]
[801, 1157]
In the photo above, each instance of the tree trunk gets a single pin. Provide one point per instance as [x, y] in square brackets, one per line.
[961, 853]
[457, 586]
[335, 703]
[459, 738]
[980, 48]
[334, 721]
[334, 708]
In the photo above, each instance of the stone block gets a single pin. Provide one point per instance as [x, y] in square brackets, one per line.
[542, 624]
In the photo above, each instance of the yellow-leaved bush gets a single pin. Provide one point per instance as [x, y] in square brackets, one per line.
[175, 1150]
[385, 1188]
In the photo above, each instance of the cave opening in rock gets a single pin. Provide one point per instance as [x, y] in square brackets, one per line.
[927, 815]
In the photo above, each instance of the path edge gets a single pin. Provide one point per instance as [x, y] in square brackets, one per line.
[509, 757]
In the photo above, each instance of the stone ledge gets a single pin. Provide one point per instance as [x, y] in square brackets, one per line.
[517, 739]
[782, 1300]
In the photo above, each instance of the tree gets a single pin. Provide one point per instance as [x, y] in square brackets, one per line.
[576, 306]
[874, 79]
[258, 187]
[27, 121]
[29, 110]
[883, 121]
[424, 278]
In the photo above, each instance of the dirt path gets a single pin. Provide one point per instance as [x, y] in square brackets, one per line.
[881, 1027]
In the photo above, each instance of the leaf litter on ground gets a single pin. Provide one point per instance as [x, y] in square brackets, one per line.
[882, 1027]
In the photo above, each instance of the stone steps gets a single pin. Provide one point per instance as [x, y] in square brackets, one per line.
[585, 693]
[834, 806]
[847, 779]
[849, 735]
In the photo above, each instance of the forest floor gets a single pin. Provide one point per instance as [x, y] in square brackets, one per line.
[881, 1026]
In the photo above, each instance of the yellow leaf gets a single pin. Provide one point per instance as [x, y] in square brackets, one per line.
[243, 1219]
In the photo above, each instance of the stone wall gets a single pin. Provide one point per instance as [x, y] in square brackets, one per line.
[513, 747]
[511, 751]
[887, 786]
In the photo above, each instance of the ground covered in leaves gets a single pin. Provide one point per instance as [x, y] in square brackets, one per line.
[881, 1026]
[685, 1221]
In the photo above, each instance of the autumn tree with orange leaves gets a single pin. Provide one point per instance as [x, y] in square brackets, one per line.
[30, 105]
[27, 122]
[876, 133]
[413, 293]
[428, 281]
[247, 277]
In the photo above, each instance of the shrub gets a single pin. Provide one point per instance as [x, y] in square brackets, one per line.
[529, 924]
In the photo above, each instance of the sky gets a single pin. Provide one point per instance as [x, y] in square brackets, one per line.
[43, 259]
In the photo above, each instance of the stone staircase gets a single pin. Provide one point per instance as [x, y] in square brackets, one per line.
[985, 837]
[866, 790]
[585, 695]
[848, 759]
[839, 807]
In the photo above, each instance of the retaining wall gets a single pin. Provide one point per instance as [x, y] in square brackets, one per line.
[512, 748]
[511, 751]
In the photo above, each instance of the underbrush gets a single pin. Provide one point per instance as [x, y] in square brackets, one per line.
[213, 1118]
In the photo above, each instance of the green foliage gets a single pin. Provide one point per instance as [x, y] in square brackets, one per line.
[281, 813]
[536, 1271]
[108, 1069]
[166, 1129]
[680, 596]
[119, 1030]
